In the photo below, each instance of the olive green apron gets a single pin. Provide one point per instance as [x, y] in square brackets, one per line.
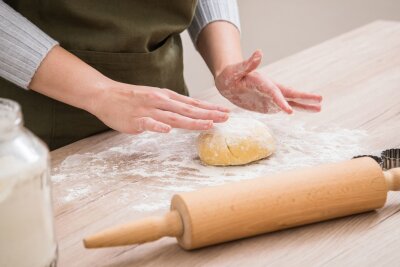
[130, 41]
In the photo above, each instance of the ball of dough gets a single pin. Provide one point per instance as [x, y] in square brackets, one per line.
[236, 142]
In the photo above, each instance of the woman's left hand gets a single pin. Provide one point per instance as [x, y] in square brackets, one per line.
[242, 85]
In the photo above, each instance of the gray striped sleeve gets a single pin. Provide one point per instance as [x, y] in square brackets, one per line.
[212, 10]
[23, 46]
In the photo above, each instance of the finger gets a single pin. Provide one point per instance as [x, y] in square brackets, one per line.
[305, 107]
[277, 97]
[295, 95]
[247, 66]
[192, 111]
[178, 121]
[304, 101]
[142, 124]
[196, 102]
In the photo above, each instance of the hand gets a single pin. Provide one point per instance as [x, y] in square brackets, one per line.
[248, 89]
[135, 109]
[123, 107]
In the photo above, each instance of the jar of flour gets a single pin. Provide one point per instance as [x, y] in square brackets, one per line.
[26, 218]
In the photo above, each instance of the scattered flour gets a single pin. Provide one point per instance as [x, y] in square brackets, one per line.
[76, 192]
[159, 165]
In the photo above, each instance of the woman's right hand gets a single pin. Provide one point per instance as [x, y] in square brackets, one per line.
[135, 109]
[123, 107]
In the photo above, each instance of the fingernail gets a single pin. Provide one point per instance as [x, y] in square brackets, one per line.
[163, 128]
[223, 116]
[257, 58]
[223, 109]
[207, 125]
[258, 53]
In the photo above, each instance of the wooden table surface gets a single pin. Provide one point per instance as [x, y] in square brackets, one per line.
[357, 73]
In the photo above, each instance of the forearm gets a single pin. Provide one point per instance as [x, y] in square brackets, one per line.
[64, 77]
[124, 107]
[22, 47]
[32, 60]
[219, 45]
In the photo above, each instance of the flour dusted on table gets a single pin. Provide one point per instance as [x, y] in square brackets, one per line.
[148, 169]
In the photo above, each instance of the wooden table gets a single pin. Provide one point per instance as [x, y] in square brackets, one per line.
[358, 74]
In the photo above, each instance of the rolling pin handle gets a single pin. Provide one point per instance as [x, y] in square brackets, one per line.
[392, 178]
[138, 232]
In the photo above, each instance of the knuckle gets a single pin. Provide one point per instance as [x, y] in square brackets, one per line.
[212, 114]
[141, 124]
[195, 123]
[172, 118]
[155, 96]
[188, 110]
[168, 91]
[194, 102]
[136, 132]
[133, 130]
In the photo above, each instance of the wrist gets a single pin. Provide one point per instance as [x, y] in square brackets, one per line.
[98, 94]
[218, 71]
[73, 82]
[226, 62]
[219, 45]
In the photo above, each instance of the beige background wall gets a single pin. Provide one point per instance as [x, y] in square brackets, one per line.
[283, 27]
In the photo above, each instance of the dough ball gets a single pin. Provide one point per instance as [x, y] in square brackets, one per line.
[236, 142]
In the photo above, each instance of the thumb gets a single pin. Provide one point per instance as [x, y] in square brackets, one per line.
[139, 125]
[247, 66]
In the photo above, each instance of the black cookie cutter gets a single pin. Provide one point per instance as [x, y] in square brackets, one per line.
[389, 158]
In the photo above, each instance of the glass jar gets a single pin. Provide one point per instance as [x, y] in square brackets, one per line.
[26, 218]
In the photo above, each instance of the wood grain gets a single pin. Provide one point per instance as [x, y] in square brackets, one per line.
[139, 231]
[358, 74]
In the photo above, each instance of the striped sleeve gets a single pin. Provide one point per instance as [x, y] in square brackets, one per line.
[208, 11]
[23, 46]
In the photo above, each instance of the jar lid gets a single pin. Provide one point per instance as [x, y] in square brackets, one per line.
[10, 115]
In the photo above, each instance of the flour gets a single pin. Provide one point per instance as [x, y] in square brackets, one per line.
[26, 228]
[76, 192]
[159, 165]
[236, 129]
[236, 126]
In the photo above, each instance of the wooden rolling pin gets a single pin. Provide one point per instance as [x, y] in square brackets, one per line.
[251, 207]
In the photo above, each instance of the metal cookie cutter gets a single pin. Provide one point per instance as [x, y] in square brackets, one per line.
[390, 158]
[376, 158]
